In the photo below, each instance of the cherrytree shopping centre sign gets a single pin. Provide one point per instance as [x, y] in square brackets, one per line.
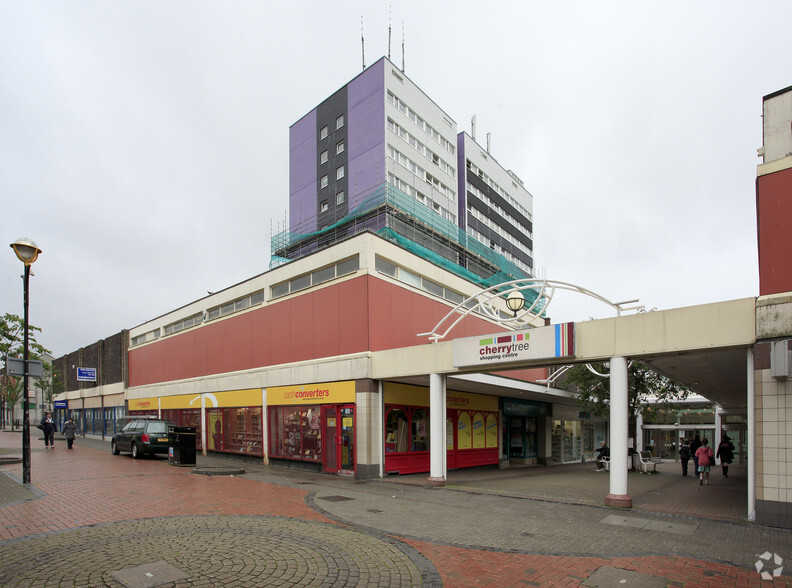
[529, 344]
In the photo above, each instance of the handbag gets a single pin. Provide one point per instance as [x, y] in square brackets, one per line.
[712, 460]
[40, 426]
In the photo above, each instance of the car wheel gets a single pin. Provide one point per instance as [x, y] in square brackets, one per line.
[114, 448]
[135, 451]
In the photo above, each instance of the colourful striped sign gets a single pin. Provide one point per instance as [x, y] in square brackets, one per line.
[529, 345]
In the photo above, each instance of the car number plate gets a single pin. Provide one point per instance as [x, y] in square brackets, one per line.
[162, 439]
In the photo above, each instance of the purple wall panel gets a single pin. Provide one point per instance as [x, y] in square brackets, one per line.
[366, 99]
[302, 171]
[461, 182]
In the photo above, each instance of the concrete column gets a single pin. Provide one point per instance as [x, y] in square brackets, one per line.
[264, 428]
[437, 429]
[203, 424]
[619, 408]
[716, 436]
[381, 427]
[751, 433]
[639, 446]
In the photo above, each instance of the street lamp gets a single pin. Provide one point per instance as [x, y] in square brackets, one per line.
[515, 302]
[27, 252]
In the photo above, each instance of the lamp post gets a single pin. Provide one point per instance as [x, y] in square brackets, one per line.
[27, 252]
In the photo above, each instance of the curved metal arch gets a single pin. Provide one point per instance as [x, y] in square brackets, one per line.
[484, 303]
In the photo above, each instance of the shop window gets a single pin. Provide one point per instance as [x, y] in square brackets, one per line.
[420, 430]
[295, 433]
[478, 431]
[464, 436]
[234, 430]
[492, 430]
[396, 427]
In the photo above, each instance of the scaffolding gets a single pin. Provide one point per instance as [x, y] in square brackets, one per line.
[399, 218]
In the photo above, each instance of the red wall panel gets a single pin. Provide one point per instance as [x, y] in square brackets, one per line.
[365, 313]
[774, 219]
[398, 314]
[321, 323]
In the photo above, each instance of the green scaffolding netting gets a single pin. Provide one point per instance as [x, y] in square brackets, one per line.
[402, 216]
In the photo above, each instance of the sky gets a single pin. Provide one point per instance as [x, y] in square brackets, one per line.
[144, 145]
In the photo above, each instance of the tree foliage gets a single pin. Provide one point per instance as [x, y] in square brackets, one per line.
[10, 392]
[642, 383]
[12, 342]
[12, 338]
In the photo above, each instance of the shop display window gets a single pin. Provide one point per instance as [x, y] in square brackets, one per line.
[234, 430]
[478, 431]
[420, 430]
[406, 429]
[295, 432]
[464, 435]
[492, 430]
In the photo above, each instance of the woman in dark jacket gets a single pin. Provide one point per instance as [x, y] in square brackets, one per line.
[69, 431]
[48, 426]
[726, 454]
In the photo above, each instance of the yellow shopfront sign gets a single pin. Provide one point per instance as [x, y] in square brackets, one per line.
[228, 399]
[396, 393]
[325, 393]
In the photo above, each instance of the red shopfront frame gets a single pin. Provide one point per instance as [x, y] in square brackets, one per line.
[471, 438]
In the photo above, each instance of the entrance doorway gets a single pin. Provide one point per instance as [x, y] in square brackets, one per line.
[339, 434]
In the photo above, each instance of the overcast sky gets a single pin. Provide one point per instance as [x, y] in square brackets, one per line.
[144, 145]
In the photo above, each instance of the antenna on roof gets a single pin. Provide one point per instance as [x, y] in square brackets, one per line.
[362, 43]
[489, 137]
[389, 31]
[402, 46]
[473, 127]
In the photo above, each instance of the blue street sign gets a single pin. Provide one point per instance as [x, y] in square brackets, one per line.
[86, 374]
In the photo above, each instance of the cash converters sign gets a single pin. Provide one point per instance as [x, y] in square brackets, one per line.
[532, 344]
[322, 393]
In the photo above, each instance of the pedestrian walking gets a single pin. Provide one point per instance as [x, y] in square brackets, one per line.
[726, 454]
[684, 456]
[694, 446]
[705, 459]
[602, 452]
[69, 431]
[48, 426]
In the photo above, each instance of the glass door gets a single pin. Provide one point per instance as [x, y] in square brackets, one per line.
[346, 439]
[330, 435]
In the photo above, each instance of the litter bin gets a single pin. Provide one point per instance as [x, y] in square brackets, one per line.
[181, 441]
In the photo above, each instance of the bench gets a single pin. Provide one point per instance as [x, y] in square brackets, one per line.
[647, 460]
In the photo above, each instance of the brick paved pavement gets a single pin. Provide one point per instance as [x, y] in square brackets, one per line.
[89, 515]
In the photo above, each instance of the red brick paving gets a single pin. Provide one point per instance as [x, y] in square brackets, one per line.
[88, 487]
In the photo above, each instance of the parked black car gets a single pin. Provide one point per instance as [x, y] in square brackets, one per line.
[142, 436]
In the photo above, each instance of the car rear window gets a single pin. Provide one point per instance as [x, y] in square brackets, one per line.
[157, 428]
